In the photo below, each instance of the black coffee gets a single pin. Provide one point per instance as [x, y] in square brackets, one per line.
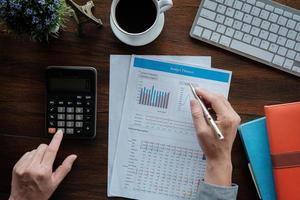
[135, 16]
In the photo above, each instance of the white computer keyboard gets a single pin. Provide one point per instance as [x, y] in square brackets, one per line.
[262, 30]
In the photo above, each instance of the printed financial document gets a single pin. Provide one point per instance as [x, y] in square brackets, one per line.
[158, 155]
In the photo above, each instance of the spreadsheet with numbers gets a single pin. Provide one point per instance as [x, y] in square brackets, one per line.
[158, 155]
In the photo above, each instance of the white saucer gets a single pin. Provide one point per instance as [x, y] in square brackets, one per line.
[140, 39]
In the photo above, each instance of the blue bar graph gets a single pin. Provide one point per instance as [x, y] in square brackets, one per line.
[153, 97]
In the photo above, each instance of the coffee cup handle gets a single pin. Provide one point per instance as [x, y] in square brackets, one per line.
[165, 5]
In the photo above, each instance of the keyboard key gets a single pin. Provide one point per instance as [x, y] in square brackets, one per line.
[229, 3]
[282, 21]
[51, 102]
[87, 117]
[278, 11]
[288, 64]
[61, 103]
[298, 27]
[265, 44]
[220, 18]
[207, 23]
[88, 103]
[52, 110]
[246, 28]
[79, 103]
[278, 60]
[274, 28]
[290, 44]
[208, 14]
[291, 54]
[206, 34]
[264, 14]
[70, 109]
[239, 15]
[238, 35]
[210, 5]
[283, 31]
[198, 31]
[228, 21]
[51, 117]
[246, 8]
[79, 97]
[79, 117]
[247, 18]
[225, 40]
[61, 117]
[78, 131]
[247, 38]
[237, 5]
[221, 28]
[215, 37]
[297, 47]
[263, 34]
[221, 9]
[229, 32]
[265, 25]
[256, 42]
[296, 17]
[61, 124]
[254, 31]
[61, 129]
[273, 48]
[70, 131]
[273, 17]
[296, 69]
[260, 4]
[70, 117]
[287, 14]
[281, 40]
[237, 25]
[79, 110]
[251, 50]
[282, 51]
[79, 124]
[70, 124]
[87, 111]
[252, 2]
[292, 34]
[297, 57]
[272, 37]
[70, 103]
[52, 124]
[61, 109]
[255, 11]
[269, 8]
[256, 21]
[229, 12]
[291, 24]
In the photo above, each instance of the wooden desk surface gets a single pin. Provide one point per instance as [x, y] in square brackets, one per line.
[22, 93]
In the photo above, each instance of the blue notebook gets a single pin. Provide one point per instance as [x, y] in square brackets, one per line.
[255, 139]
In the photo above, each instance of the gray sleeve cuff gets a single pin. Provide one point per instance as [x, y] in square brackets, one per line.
[215, 192]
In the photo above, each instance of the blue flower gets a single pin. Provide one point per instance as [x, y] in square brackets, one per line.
[35, 20]
[28, 11]
[3, 3]
[16, 6]
[51, 8]
[42, 2]
[47, 22]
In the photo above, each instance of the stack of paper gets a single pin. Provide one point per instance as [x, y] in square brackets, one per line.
[153, 149]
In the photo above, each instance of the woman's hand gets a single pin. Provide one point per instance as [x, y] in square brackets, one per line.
[217, 152]
[33, 177]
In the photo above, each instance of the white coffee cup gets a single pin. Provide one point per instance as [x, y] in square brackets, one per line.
[147, 36]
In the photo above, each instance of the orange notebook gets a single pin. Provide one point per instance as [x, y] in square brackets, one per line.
[283, 123]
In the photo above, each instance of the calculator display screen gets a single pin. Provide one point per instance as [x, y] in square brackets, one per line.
[70, 84]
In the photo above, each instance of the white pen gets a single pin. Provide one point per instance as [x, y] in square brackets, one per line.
[207, 115]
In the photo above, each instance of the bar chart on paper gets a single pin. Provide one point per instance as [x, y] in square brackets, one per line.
[153, 97]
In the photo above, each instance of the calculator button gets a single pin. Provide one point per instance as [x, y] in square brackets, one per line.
[88, 110]
[70, 131]
[61, 123]
[78, 103]
[61, 109]
[61, 117]
[70, 117]
[88, 103]
[70, 124]
[70, 103]
[79, 110]
[62, 129]
[52, 109]
[51, 102]
[79, 124]
[78, 97]
[79, 117]
[61, 103]
[52, 130]
[52, 124]
[87, 127]
[88, 97]
[70, 109]
[51, 116]
[78, 131]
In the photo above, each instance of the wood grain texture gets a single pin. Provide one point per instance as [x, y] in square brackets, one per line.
[22, 93]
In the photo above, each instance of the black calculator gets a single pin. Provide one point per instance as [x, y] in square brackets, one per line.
[71, 101]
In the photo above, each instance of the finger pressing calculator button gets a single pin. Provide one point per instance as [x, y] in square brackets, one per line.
[79, 110]
[52, 130]
[70, 124]
[61, 109]
[70, 109]
[79, 117]
[61, 117]
[70, 117]
[61, 123]
[78, 124]
[62, 129]
[69, 131]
